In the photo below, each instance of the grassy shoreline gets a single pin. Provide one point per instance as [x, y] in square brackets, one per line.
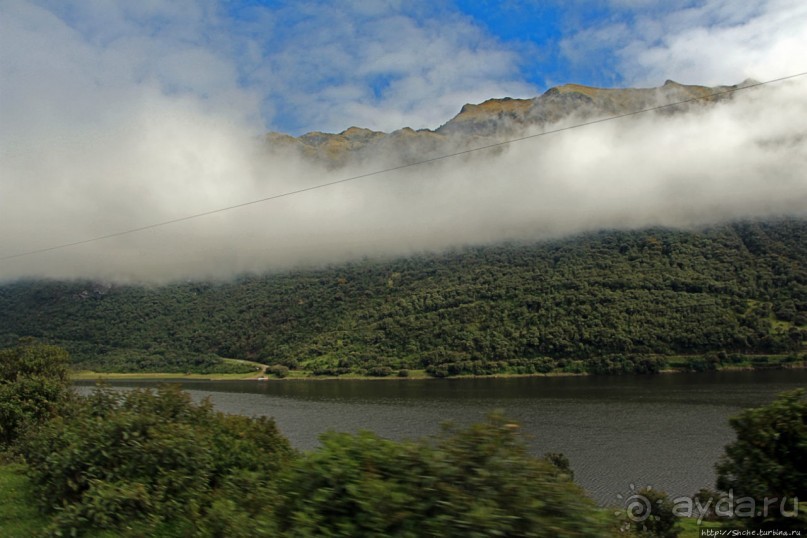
[303, 375]
[88, 375]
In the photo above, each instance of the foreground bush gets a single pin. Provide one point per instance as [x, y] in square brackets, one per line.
[34, 387]
[141, 462]
[154, 463]
[474, 482]
[768, 463]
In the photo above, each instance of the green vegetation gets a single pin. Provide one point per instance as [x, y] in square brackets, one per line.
[33, 387]
[768, 460]
[690, 528]
[146, 463]
[660, 521]
[170, 362]
[154, 463]
[608, 303]
[761, 478]
[88, 375]
[474, 482]
[19, 517]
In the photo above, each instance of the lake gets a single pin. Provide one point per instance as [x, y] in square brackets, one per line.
[665, 431]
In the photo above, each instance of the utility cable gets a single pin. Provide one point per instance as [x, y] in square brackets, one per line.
[395, 168]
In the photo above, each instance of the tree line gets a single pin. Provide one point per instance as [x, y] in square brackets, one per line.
[606, 302]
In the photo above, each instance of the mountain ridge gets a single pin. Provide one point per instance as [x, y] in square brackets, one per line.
[494, 120]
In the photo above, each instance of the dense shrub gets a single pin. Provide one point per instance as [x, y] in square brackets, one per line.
[768, 460]
[380, 371]
[474, 482]
[33, 387]
[655, 518]
[153, 459]
[162, 361]
[278, 370]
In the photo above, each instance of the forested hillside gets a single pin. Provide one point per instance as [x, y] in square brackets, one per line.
[606, 302]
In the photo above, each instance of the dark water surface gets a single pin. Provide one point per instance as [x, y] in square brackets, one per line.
[665, 431]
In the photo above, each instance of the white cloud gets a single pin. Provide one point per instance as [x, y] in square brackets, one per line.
[107, 124]
[735, 160]
[719, 44]
[301, 66]
[710, 43]
[387, 68]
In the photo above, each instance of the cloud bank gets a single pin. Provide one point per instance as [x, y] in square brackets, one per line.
[110, 121]
[707, 42]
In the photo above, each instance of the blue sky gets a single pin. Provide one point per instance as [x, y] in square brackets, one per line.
[296, 66]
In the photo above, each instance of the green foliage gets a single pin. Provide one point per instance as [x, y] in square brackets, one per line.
[278, 370]
[609, 302]
[660, 521]
[162, 361]
[560, 461]
[380, 371]
[474, 482]
[32, 359]
[33, 387]
[146, 461]
[708, 499]
[769, 459]
[18, 515]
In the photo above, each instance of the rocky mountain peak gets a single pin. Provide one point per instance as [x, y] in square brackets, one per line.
[493, 120]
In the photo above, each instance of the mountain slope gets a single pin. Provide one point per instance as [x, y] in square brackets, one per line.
[605, 302]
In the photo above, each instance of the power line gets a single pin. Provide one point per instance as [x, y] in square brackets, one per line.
[395, 168]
